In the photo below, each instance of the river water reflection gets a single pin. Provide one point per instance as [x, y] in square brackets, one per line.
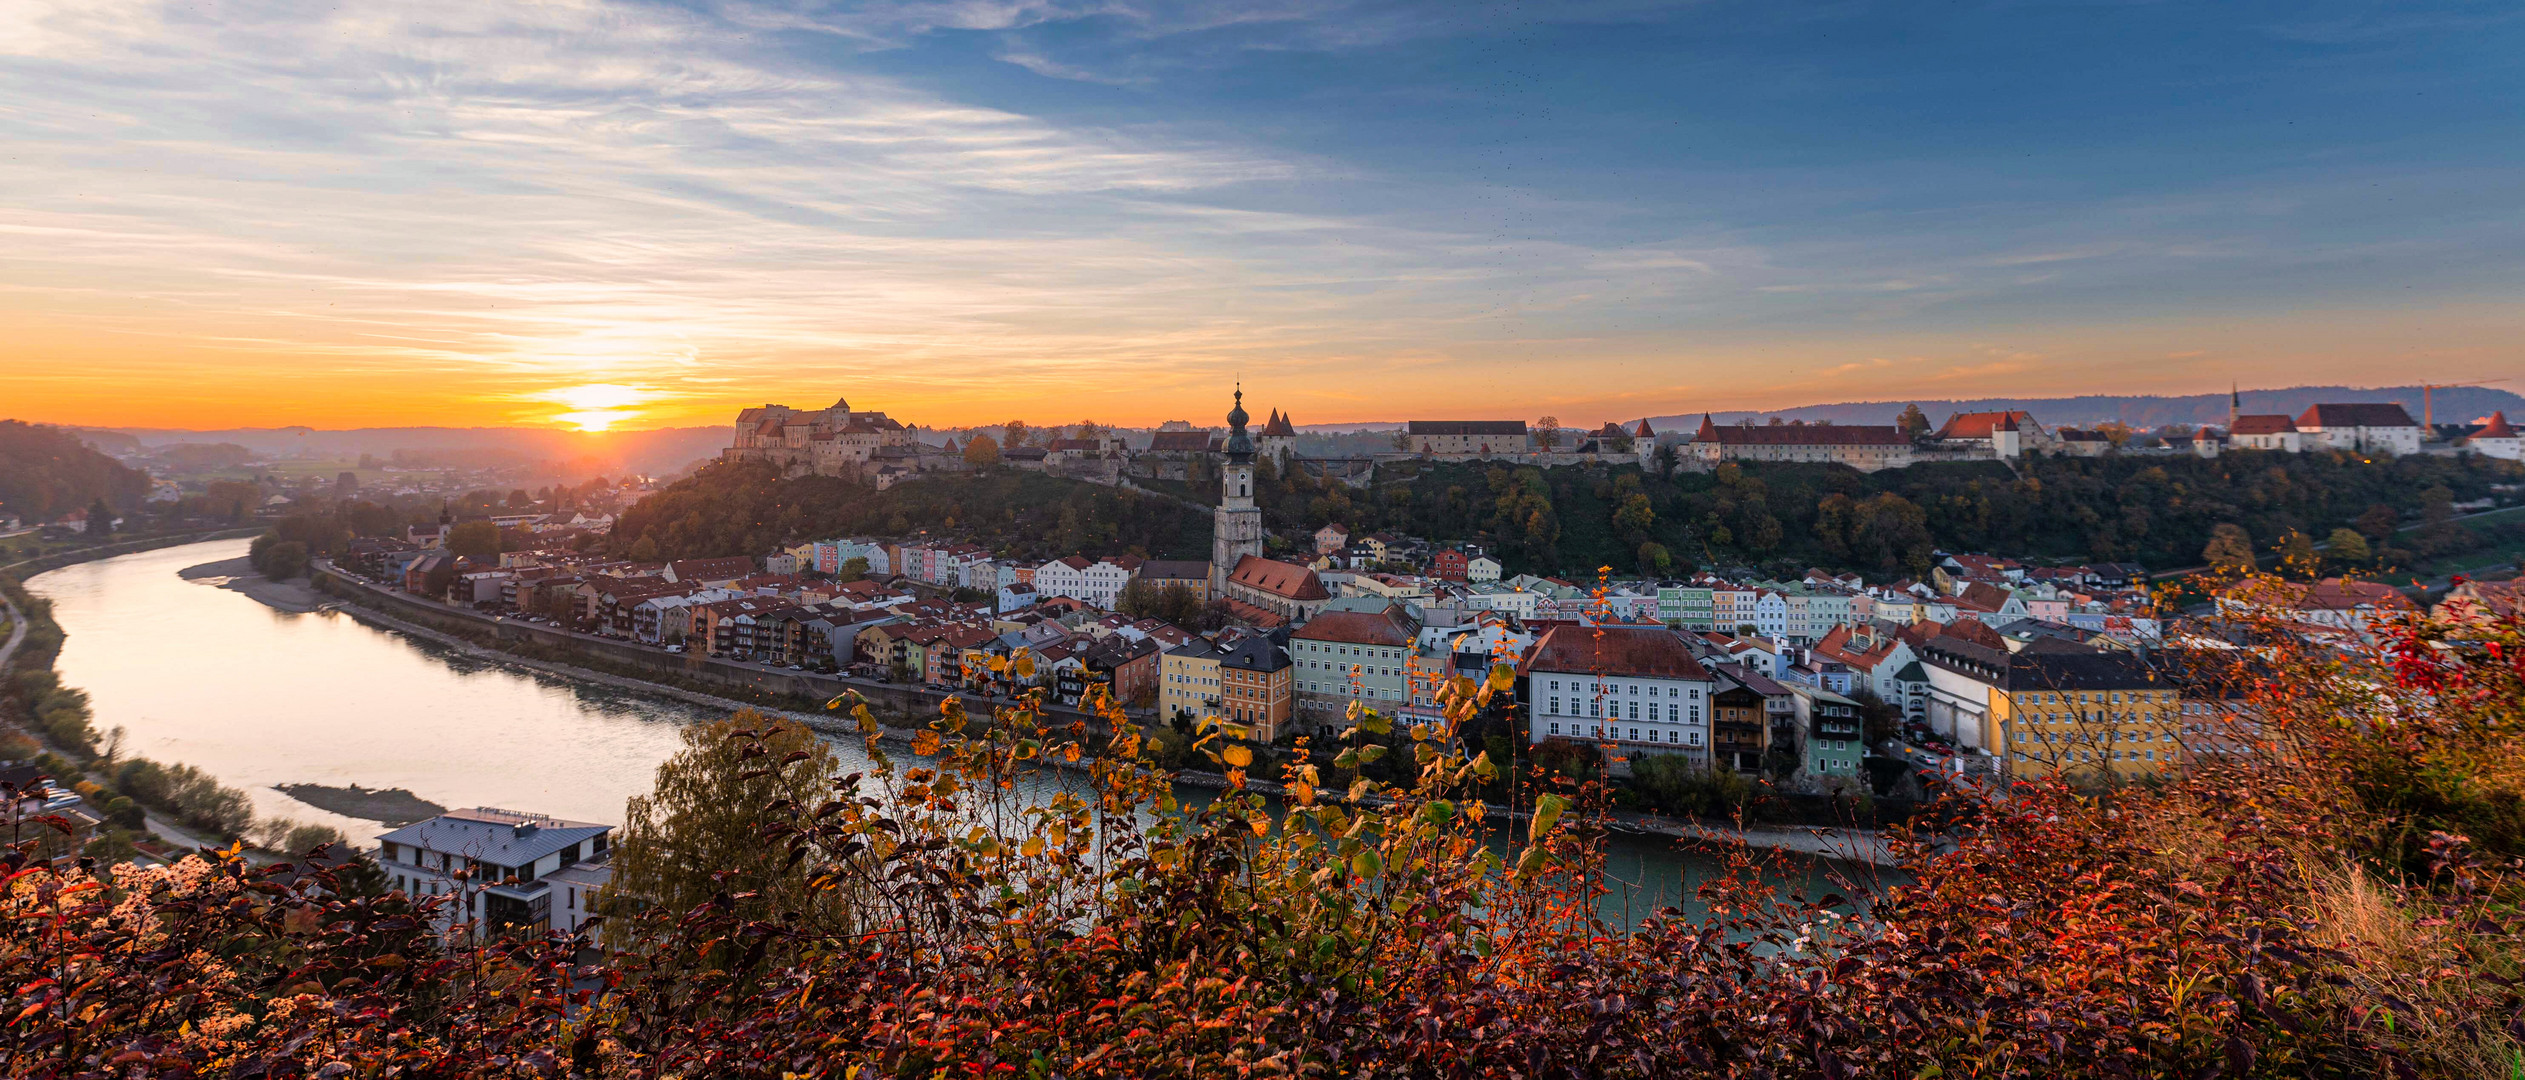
[260, 697]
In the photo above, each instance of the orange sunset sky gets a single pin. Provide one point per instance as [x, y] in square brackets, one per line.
[607, 214]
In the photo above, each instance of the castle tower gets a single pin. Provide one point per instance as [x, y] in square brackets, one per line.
[1278, 441]
[1236, 527]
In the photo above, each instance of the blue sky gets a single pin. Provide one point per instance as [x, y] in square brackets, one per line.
[1604, 209]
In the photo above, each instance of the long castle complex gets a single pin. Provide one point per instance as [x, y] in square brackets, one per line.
[841, 441]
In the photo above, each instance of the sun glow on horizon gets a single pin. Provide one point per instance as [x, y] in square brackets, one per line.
[599, 406]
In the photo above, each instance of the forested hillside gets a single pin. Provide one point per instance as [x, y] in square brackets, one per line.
[2154, 510]
[730, 509]
[46, 472]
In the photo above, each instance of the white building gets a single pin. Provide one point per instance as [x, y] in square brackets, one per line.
[1481, 568]
[2364, 428]
[526, 871]
[2266, 432]
[1636, 686]
[1099, 583]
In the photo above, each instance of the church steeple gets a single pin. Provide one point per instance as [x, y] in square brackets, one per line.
[1236, 529]
[1240, 446]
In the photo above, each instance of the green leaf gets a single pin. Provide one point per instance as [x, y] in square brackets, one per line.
[1547, 813]
[1437, 812]
[1370, 753]
[1375, 724]
[1530, 863]
[1367, 863]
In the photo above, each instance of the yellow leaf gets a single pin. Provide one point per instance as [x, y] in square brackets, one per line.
[925, 743]
[1261, 825]
[1032, 848]
[1239, 756]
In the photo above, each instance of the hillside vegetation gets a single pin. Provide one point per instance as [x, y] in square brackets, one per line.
[46, 472]
[2158, 511]
[745, 508]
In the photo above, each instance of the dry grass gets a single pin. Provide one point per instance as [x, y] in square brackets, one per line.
[2417, 972]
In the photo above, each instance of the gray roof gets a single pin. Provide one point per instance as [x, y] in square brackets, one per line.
[498, 837]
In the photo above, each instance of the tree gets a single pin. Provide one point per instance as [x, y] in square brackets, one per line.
[2297, 552]
[1014, 434]
[694, 837]
[1655, 560]
[1403, 439]
[1087, 429]
[644, 549]
[476, 540]
[1547, 432]
[2347, 548]
[981, 452]
[1913, 422]
[100, 519]
[853, 569]
[1666, 458]
[519, 499]
[2379, 523]
[2230, 549]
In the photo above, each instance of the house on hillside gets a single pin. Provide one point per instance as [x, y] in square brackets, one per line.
[2362, 428]
[2266, 432]
[1863, 447]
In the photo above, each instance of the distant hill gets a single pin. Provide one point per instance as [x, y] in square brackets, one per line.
[46, 472]
[655, 451]
[2139, 411]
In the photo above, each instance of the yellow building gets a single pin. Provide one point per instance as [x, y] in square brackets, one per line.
[1188, 681]
[2055, 707]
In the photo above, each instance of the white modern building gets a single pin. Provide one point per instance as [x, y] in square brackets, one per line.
[503, 869]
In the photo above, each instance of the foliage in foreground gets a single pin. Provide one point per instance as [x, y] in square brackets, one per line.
[2301, 903]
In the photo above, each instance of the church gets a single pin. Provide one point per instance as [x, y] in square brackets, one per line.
[1264, 592]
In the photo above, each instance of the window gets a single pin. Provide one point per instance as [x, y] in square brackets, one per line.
[1556, 684]
[1634, 734]
[1595, 708]
[1695, 738]
[1556, 729]
[1556, 706]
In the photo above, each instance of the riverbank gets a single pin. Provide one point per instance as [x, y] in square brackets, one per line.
[1851, 845]
[238, 575]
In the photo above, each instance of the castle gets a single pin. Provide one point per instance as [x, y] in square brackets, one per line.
[832, 441]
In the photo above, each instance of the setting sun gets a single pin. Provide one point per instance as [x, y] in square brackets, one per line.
[599, 406]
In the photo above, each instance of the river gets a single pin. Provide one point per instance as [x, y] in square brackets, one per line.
[260, 697]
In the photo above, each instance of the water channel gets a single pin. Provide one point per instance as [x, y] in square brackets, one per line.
[260, 697]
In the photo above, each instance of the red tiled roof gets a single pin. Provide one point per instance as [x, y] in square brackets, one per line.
[1979, 425]
[2356, 414]
[2263, 425]
[1180, 441]
[1279, 579]
[2495, 428]
[1804, 435]
[1279, 426]
[1624, 651]
[1356, 628]
[1972, 631]
[1257, 616]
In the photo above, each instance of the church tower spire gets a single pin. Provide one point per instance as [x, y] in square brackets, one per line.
[1236, 527]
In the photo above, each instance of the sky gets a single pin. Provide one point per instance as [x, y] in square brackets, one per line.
[219, 213]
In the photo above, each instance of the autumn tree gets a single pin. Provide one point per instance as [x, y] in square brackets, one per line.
[1913, 422]
[2379, 523]
[2230, 549]
[981, 452]
[1014, 434]
[696, 835]
[2347, 548]
[476, 540]
[852, 569]
[1547, 432]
